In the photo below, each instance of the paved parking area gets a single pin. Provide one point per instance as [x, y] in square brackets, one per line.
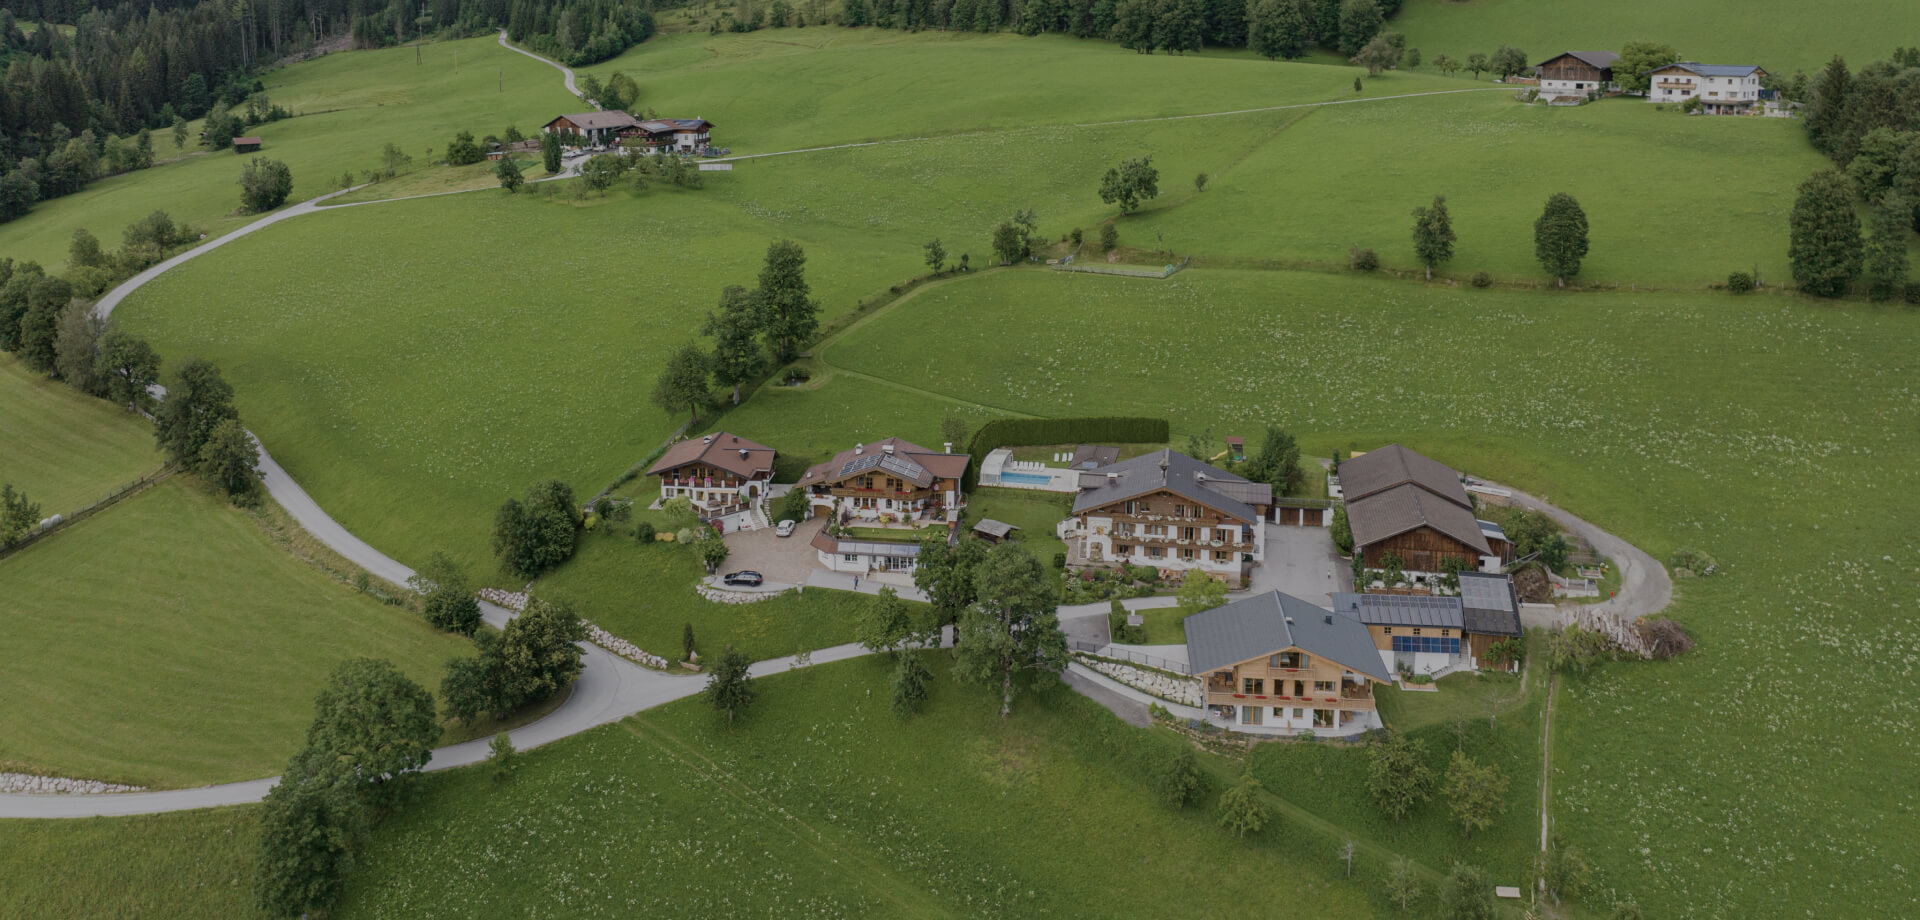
[1301, 562]
[787, 560]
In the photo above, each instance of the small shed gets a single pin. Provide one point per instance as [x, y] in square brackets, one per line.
[1237, 449]
[1094, 456]
[246, 144]
[994, 531]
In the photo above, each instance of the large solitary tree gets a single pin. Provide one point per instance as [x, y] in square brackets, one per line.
[374, 722]
[682, 384]
[1130, 183]
[1560, 237]
[1476, 792]
[1012, 625]
[729, 687]
[792, 314]
[1433, 237]
[1397, 775]
[1825, 239]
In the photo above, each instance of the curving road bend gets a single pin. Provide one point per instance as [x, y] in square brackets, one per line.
[565, 71]
[1645, 586]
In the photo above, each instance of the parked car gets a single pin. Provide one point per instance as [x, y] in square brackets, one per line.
[747, 579]
[784, 529]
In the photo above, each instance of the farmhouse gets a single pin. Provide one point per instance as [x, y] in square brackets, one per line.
[862, 556]
[527, 147]
[1168, 510]
[246, 144]
[1431, 635]
[1276, 663]
[668, 135]
[721, 473]
[1721, 89]
[888, 482]
[590, 127]
[1412, 508]
[1576, 74]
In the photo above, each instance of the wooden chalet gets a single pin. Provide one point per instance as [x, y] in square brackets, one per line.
[720, 473]
[1403, 504]
[591, 127]
[1274, 662]
[1572, 76]
[1168, 510]
[246, 144]
[668, 135]
[888, 482]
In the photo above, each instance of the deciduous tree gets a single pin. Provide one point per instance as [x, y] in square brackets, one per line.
[735, 329]
[537, 533]
[1433, 237]
[76, 348]
[230, 460]
[1560, 237]
[1564, 869]
[1200, 592]
[1886, 253]
[936, 255]
[18, 515]
[464, 151]
[1476, 793]
[1360, 21]
[1012, 625]
[1825, 243]
[887, 623]
[264, 184]
[1403, 883]
[1466, 895]
[1377, 54]
[682, 385]
[509, 174]
[1398, 778]
[910, 681]
[1178, 782]
[1477, 64]
[375, 723]
[1508, 61]
[945, 573]
[1241, 808]
[729, 687]
[1132, 182]
[1277, 463]
[311, 822]
[129, 367]
[1636, 59]
[198, 400]
[447, 598]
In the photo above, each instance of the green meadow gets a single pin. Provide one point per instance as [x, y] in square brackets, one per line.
[348, 107]
[66, 450]
[1779, 35]
[165, 642]
[189, 864]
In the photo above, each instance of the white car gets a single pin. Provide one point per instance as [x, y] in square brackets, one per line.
[784, 529]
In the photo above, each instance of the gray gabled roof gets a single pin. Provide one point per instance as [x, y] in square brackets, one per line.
[1711, 70]
[1177, 473]
[1400, 609]
[1392, 465]
[1405, 507]
[1600, 59]
[1273, 622]
[1489, 604]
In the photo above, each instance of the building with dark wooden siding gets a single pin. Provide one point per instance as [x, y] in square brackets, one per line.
[1576, 74]
[1411, 507]
[591, 127]
[246, 144]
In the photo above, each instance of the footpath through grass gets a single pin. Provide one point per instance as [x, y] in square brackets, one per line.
[166, 643]
[67, 450]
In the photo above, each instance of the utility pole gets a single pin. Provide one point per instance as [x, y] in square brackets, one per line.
[416, 55]
[502, 74]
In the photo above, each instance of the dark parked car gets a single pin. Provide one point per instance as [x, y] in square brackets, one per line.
[749, 579]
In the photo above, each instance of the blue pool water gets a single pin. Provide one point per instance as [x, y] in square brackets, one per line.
[1031, 479]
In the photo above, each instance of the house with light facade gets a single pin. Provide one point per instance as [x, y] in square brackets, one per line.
[1421, 634]
[1275, 664]
[1169, 511]
[892, 482]
[721, 474]
[1722, 89]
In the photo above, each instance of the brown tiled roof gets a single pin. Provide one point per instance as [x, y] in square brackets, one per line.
[719, 450]
[1408, 506]
[247, 140]
[598, 121]
[1601, 59]
[1379, 470]
[1177, 473]
[921, 466]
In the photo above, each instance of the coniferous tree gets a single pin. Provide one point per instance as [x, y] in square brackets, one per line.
[1827, 111]
[1433, 237]
[735, 329]
[791, 313]
[1885, 263]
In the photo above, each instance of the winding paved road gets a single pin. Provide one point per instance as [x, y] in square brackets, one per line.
[1645, 586]
[565, 71]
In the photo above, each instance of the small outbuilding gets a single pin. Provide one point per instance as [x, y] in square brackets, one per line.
[1094, 456]
[246, 144]
[994, 531]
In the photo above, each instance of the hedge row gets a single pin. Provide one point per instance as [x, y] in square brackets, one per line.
[1026, 432]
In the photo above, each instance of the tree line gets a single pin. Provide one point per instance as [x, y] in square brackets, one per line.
[1868, 123]
[749, 329]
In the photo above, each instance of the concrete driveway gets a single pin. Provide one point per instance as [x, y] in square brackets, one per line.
[1301, 562]
[786, 560]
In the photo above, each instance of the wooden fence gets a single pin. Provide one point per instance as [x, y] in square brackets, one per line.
[1166, 272]
[112, 498]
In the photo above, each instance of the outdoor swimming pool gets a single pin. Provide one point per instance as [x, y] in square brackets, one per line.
[1026, 479]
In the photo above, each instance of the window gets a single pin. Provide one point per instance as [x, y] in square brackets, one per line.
[1293, 661]
[1252, 685]
[1433, 644]
[1300, 688]
[1446, 632]
[1279, 712]
[1389, 630]
[1273, 662]
[851, 557]
[1416, 630]
[1323, 718]
[1186, 554]
[1323, 686]
[1221, 555]
[1189, 533]
[1156, 552]
[1250, 715]
[1299, 713]
[1123, 530]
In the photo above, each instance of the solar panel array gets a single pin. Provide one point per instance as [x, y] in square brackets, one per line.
[904, 468]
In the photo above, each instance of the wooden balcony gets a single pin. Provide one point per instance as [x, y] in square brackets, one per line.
[1320, 700]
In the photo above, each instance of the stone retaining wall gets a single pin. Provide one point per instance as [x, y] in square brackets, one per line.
[55, 785]
[1182, 690]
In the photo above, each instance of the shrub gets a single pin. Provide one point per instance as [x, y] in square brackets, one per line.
[1059, 560]
[1363, 260]
[1740, 282]
[1178, 782]
[264, 184]
[1109, 238]
[1482, 280]
[643, 532]
[500, 757]
[1911, 291]
[1076, 236]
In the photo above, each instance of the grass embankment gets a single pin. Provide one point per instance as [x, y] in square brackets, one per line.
[1797, 36]
[349, 105]
[67, 450]
[185, 865]
[165, 642]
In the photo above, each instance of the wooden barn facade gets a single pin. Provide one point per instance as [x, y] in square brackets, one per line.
[1409, 506]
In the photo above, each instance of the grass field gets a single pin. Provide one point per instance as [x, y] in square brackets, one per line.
[184, 865]
[348, 105]
[1779, 35]
[1035, 513]
[64, 449]
[947, 815]
[166, 643]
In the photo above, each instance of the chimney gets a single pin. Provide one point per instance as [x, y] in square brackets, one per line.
[707, 440]
[743, 453]
[1329, 619]
[1289, 621]
[1163, 463]
[1113, 479]
[887, 449]
[859, 449]
[947, 447]
[1200, 478]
